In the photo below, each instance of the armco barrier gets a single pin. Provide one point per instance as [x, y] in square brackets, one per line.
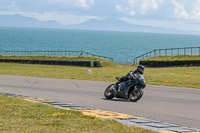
[170, 63]
[55, 62]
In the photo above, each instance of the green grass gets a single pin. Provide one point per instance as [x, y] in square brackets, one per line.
[22, 116]
[173, 58]
[172, 76]
[105, 62]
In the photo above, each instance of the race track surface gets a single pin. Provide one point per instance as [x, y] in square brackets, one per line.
[169, 104]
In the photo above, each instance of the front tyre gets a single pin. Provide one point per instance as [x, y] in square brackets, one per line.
[135, 95]
[109, 93]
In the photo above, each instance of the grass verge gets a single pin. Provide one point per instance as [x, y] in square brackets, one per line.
[173, 58]
[22, 116]
[169, 76]
[172, 76]
[105, 62]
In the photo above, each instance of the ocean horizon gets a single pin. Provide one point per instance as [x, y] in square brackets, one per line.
[106, 43]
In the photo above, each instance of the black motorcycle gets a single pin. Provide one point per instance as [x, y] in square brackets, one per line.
[131, 88]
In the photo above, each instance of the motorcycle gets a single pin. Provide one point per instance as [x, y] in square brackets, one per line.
[131, 89]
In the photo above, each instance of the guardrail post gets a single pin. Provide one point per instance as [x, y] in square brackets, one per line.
[171, 51]
[199, 50]
[178, 51]
[184, 51]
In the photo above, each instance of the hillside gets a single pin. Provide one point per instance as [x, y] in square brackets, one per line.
[109, 24]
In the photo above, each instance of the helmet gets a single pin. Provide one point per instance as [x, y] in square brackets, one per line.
[140, 69]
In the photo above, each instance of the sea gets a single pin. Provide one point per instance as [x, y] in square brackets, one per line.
[119, 45]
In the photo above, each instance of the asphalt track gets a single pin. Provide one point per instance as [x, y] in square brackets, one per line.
[169, 104]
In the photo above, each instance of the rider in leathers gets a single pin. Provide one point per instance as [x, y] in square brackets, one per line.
[135, 74]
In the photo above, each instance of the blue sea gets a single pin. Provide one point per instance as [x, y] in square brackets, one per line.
[105, 43]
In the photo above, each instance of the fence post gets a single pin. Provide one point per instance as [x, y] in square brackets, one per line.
[191, 51]
[199, 50]
[178, 51]
[172, 51]
[184, 51]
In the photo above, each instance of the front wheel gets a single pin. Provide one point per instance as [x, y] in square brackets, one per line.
[109, 93]
[135, 95]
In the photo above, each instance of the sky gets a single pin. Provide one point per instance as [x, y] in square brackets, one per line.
[176, 14]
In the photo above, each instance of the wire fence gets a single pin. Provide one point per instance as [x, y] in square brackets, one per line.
[168, 52]
[54, 53]
[153, 53]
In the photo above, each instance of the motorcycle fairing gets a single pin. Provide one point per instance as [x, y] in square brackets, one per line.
[126, 86]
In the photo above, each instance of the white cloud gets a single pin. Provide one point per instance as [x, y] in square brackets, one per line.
[149, 5]
[119, 8]
[196, 11]
[181, 13]
[75, 3]
[63, 10]
[85, 3]
[139, 7]
[179, 10]
[131, 11]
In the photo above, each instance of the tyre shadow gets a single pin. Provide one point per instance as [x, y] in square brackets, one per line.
[117, 100]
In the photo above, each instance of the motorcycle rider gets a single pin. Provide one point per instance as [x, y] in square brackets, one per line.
[135, 74]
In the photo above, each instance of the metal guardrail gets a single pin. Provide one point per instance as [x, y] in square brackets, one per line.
[168, 52]
[153, 53]
[54, 53]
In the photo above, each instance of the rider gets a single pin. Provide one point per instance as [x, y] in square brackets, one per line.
[135, 74]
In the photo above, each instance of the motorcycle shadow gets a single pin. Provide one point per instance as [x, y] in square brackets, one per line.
[117, 100]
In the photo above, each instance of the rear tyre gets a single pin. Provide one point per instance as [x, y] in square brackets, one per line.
[109, 93]
[135, 95]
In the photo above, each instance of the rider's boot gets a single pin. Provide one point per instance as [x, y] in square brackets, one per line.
[115, 87]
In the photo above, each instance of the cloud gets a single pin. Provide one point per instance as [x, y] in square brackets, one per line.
[128, 9]
[78, 11]
[63, 11]
[139, 7]
[149, 5]
[196, 11]
[46, 5]
[85, 3]
[132, 12]
[119, 8]
[181, 12]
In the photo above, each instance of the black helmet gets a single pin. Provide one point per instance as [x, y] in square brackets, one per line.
[140, 69]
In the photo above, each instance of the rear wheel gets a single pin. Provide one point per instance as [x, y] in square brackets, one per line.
[135, 95]
[109, 93]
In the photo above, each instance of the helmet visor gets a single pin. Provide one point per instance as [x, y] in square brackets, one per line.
[141, 71]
